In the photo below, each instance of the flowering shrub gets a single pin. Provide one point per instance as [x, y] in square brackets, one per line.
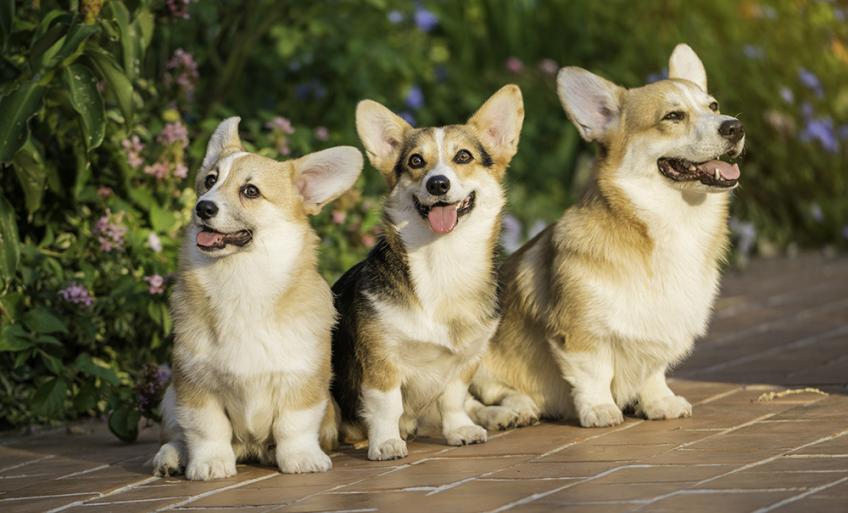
[105, 110]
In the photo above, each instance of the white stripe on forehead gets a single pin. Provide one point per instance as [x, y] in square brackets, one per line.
[689, 92]
[440, 140]
[225, 165]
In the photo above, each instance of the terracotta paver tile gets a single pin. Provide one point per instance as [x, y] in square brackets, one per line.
[556, 470]
[41, 503]
[714, 501]
[378, 501]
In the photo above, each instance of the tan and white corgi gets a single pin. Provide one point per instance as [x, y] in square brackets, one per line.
[417, 313]
[252, 316]
[602, 303]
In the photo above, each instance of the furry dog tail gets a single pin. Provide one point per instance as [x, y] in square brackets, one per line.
[329, 434]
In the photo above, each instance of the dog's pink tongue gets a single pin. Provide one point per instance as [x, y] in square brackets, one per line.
[727, 171]
[209, 239]
[442, 219]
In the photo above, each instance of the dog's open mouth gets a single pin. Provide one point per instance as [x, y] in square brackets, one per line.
[715, 173]
[442, 216]
[210, 240]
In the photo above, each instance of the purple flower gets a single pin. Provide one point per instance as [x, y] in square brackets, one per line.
[178, 8]
[163, 374]
[110, 231]
[425, 20]
[182, 70]
[154, 243]
[180, 171]
[843, 132]
[174, 133]
[548, 66]
[310, 89]
[753, 52]
[104, 191]
[322, 133]
[816, 213]
[156, 284]
[151, 386]
[787, 94]
[414, 98]
[807, 110]
[656, 77]
[280, 124]
[133, 148]
[159, 170]
[821, 130]
[407, 116]
[810, 81]
[395, 16]
[514, 65]
[76, 294]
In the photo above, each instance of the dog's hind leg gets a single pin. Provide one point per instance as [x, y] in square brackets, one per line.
[498, 406]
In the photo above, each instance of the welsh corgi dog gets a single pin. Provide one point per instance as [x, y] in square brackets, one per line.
[602, 303]
[417, 313]
[252, 316]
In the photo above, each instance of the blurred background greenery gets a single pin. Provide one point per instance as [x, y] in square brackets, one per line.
[107, 106]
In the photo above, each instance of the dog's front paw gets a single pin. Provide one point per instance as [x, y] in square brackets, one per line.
[302, 462]
[526, 411]
[496, 418]
[466, 435]
[211, 465]
[669, 407]
[167, 461]
[391, 449]
[601, 415]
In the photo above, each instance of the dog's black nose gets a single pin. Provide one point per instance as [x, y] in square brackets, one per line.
[732, 130]
[206, 209]
[438, 185]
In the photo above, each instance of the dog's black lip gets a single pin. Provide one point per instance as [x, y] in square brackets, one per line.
[423, 210]
[238, 238]
[677, 169]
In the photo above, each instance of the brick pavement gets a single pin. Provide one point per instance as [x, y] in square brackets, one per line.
[780, 324]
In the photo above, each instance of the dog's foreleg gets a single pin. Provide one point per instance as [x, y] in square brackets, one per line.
[657, 401]
[587, 365]
[296, 432]
[208, 436]
[381, 410]
[504, 407]
[457, 426]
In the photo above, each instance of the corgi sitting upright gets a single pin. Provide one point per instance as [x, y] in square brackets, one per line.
[252, 316]
[417, 313]
[602, 303]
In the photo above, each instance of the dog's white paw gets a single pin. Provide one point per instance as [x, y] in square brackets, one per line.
[496, 418]
[211, 465]
[391, 449]
[301, 462]
[527, 413]
[601, 415]
[167, 461]
[466, 435]
[669, 407]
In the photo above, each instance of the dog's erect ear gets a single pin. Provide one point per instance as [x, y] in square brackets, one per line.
[592, 103]
[498, 122]
[381, 132]
[325, 175]
[224, 140]
[684, 63]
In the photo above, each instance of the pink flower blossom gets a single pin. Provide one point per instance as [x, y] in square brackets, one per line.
[178, 8]
[548, 66]
[159, 170]
[180, 171]
[156, 284]
[154, 243]
[280, 124]
[133, 148]
[104, 191]
[174, 133]
[338, 216]
[182, 70]
[514, 65]
[110, 231]
[321, 133]
[367, 240]
[76, 294]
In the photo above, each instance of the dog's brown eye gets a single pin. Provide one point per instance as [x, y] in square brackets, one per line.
[714, 106]
[250, 191]
[210, 181]
[677, 115]
[416, 161]
[463, 157]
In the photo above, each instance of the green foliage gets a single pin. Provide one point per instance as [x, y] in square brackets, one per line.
[106, 107]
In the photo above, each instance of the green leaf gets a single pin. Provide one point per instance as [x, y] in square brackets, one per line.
[41, 320]
[86, 398]
[143, 23]
[116, 80]
[49, 400]
[143, 197]
[161, 220]
[126, 35]
[123, 422]
[52, 363]
[15, 110]
[31, 169]
[14, 338]
[93, 368]
[10, 246]
[83, 165]
[7, 15]
[86, 100]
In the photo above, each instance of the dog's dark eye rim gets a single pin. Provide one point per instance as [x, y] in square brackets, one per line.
[675, 115]
[714, 106]
[250, 191]
[463, 157]
[210, 180]
[416, 161]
